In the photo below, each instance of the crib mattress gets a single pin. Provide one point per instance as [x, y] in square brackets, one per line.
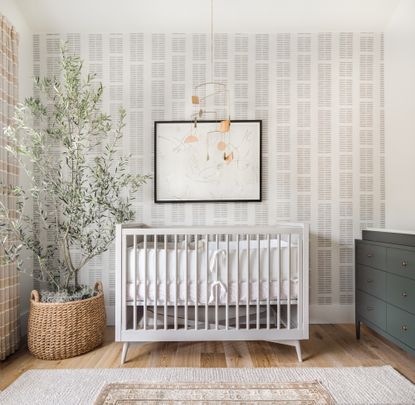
[218, 269]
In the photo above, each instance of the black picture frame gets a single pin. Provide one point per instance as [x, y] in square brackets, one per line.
[169, 201]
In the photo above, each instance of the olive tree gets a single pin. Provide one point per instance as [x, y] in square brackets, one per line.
[79, 183]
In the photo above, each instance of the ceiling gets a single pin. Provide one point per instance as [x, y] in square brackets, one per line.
[193, 15]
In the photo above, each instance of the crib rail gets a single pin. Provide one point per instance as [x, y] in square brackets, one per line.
[207, 283]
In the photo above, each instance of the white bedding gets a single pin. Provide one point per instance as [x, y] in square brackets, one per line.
[213, 271]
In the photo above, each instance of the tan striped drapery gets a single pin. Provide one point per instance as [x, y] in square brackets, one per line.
[9, 278]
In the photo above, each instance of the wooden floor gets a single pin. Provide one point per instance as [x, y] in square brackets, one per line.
[329, 346]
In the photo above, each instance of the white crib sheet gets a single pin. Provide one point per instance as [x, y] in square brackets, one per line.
[214, 267]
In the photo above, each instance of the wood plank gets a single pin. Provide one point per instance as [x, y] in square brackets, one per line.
[188, 354]
[210, 360]
[237, 354]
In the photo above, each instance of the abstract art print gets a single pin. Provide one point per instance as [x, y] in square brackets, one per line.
[207, 161]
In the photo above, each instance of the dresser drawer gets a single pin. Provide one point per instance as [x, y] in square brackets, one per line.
[401, 292]
[401, 262]
[371, 255]
[401, 325]
[371, 281]
[371, 308]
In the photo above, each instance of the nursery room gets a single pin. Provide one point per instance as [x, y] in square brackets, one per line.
[207, 202]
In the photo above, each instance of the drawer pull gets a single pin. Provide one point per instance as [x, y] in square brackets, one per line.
[404, 294]
[369, 280]
[370, 255]
[404, 328]
[404, 263]
[370, 308]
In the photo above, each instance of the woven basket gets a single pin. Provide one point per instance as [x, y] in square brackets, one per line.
[63, 330]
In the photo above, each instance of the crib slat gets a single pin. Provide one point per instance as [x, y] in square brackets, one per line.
[196, 281]
[289, 284]
[258, 280]
[165, 281]
[279, 283]
[176, 280]
[237, 282]
[207, 283]
[145, 283]
[135, 268]
[248, 281]
[155, 284]
[185, 282]
[268, 280]
[216, 288]
[300, 264]
[227, 282]
[124, 284]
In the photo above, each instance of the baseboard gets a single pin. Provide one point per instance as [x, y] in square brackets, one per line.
[332, 313]
[318, 314]
[24, 316]
[110, 310]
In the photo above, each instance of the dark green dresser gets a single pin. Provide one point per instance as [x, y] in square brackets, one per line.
[385, 285]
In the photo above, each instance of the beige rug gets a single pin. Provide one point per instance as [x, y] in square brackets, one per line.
[294, 393]
[346, 385]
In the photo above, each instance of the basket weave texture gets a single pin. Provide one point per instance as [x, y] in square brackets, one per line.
[63, 330]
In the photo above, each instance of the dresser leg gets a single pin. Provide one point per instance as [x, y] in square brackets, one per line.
[357, 329]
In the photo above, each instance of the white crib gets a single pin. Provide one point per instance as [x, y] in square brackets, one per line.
[212, 283]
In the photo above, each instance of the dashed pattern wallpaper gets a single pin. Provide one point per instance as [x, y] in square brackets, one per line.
[321, 99]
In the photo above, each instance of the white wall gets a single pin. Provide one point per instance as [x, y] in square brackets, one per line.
[10, 10]
[192, 16]
[400, 117]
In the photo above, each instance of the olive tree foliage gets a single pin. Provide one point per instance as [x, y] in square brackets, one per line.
[80, 186]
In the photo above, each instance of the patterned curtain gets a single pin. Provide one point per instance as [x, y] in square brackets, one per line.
[9, 278]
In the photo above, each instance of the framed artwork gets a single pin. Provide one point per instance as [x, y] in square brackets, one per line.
[207, 161]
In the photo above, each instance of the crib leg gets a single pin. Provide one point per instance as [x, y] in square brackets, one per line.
[293, 343]
[298, 350]
[124, 352]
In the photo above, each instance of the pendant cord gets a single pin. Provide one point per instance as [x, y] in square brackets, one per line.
[211, 40]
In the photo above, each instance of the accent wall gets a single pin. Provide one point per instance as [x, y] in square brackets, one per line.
[321, 99]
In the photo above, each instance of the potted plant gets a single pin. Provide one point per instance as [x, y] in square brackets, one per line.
[79, 187]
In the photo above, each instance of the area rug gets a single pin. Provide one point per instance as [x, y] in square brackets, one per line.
[347, 385]
[295, 393]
